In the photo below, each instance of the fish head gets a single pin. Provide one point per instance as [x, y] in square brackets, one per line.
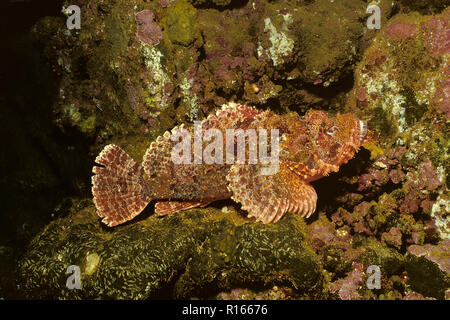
[335, 139]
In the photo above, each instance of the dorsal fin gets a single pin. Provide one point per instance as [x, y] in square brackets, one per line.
[168, 177]
[232, 115]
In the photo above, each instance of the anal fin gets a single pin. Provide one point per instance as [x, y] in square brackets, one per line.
[163, 208]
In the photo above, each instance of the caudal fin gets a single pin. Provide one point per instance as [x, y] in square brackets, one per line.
[118, 186]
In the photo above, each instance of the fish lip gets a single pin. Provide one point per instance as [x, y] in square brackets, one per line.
[362, 131]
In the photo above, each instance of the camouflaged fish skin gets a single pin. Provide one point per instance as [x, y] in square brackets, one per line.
[310, 147]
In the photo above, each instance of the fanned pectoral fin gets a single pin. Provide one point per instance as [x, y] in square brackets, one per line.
[268, 197]
[163, 208]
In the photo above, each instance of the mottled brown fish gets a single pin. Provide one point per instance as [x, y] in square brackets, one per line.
[310, 147]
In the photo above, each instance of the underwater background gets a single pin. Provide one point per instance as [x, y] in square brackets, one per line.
[135, 69]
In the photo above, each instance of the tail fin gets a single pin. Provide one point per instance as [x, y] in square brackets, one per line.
[118, 187]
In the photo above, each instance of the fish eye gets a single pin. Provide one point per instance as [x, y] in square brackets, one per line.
[323, 124]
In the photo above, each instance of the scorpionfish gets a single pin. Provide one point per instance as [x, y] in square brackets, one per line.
[310, 147]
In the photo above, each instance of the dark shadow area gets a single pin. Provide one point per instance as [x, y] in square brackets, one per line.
[219, 4]
[39, 164]
[210, 290]
[345, 84]
[331, 187]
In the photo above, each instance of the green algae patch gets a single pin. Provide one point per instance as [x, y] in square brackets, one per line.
[88, 125]
[191, 250]
[253, 253]
[375, 253]
[426, 277]
[322, 50]
[180, 23]
[117, 29]
[92, 260]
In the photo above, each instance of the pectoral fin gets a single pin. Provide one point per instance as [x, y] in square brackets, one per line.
[268, 197]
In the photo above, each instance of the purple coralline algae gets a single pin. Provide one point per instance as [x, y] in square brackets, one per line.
[148, 31]
[347, 288]
[439, 254]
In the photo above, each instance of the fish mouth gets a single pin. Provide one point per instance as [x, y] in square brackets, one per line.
[362, 131]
